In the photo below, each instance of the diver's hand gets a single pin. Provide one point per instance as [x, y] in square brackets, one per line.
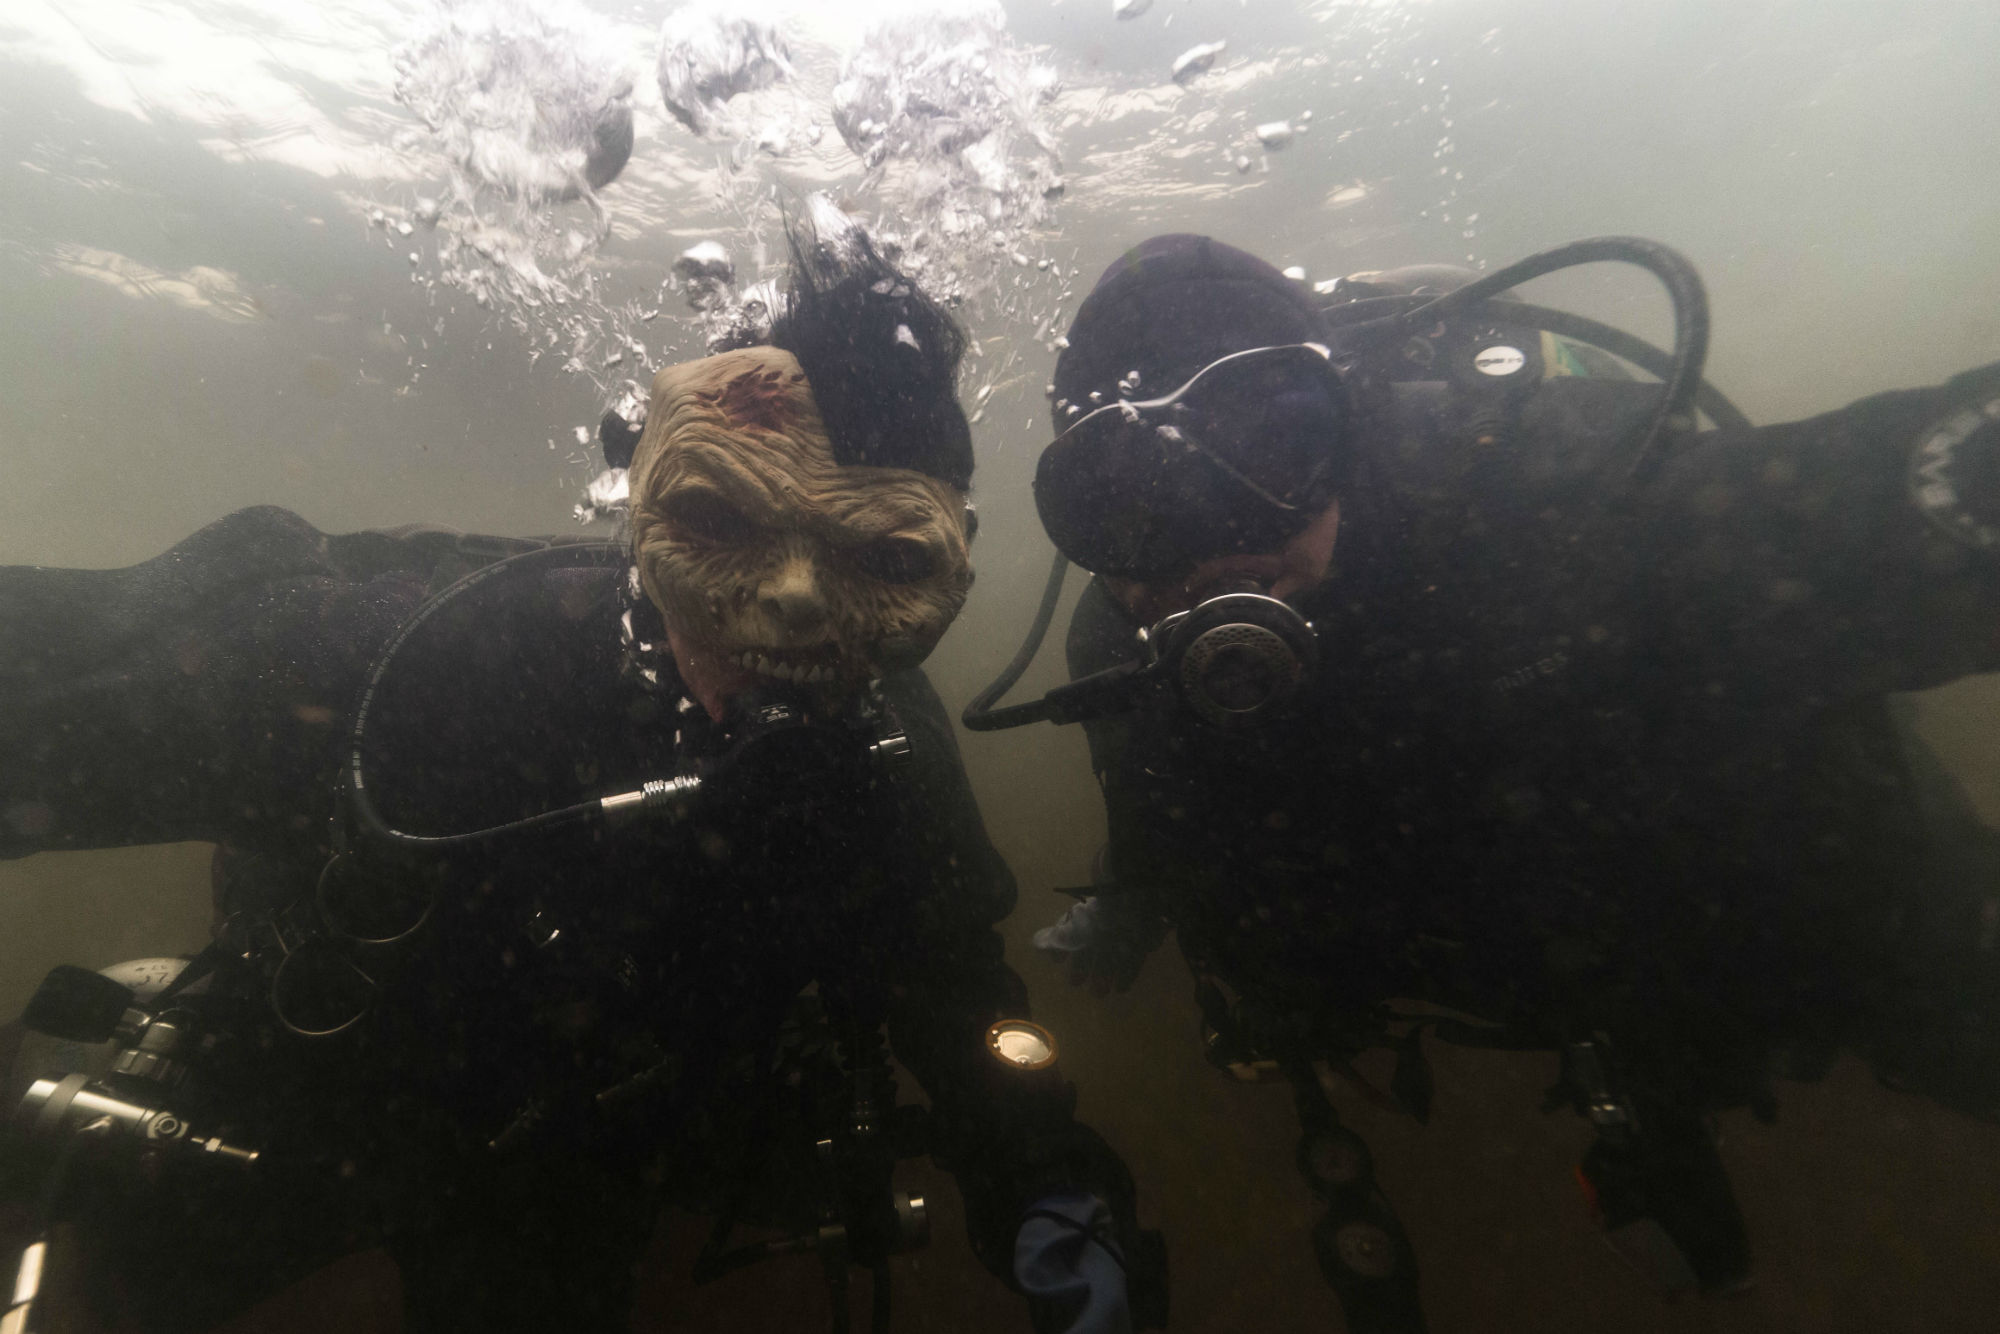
[1071, 1268]
[1103, 941]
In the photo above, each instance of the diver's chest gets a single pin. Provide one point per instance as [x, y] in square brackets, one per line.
[1521, 617]
[1422, 818]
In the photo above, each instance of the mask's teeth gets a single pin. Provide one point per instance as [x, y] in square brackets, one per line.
[801, 673]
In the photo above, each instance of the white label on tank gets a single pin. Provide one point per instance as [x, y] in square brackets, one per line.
[1500, 360]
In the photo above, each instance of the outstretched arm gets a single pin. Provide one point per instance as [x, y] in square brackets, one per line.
[1850, 554]
[201, 694]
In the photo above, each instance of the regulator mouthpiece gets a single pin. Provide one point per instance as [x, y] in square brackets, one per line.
[1237, 659]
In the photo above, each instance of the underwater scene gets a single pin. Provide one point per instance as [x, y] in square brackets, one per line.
[1072, 666]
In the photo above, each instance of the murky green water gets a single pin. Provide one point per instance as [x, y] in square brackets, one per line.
[201, 316]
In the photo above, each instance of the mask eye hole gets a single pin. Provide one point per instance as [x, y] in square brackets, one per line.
[703, 517]
[895, 560]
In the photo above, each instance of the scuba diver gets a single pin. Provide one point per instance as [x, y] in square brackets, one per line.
[1441, 677]
[558, 880]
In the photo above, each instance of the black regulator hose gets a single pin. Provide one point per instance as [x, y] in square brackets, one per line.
[363, 805]
[1676, 274]
[980, 715]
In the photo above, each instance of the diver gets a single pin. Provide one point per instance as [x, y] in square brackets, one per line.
[559, 880]
[1443, 680]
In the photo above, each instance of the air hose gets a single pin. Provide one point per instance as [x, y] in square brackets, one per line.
[981, 715]
[654, 794]
[1682, 372]
[1565, 324]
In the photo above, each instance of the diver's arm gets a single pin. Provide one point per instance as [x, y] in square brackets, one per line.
[1022, 1161]
[197, 695]
[1819, 560]
[1009, 1139]
[1006, 1137]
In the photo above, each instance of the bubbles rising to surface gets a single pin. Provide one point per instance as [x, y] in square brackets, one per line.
[707, 260]
[950, 120]
[1196, 60]
[1275, 134]
[709, 53]
[606, 496]
[527, 114]
[531, 100]
[953, 169]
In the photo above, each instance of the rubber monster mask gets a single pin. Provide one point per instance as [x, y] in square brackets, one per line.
[767, 557]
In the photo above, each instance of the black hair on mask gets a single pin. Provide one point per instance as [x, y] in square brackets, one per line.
[881, 357]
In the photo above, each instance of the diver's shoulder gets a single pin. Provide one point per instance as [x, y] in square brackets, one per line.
[448, 554]
[1571, 431]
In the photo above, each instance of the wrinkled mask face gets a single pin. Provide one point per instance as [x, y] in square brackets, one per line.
[764, 553]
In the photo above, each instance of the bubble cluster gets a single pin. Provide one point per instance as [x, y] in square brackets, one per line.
[527, 114]
[950, 119]
[710, 52]
[527, 100]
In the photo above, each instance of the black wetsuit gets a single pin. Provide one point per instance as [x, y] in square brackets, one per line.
[208, 694]
[1590, 757]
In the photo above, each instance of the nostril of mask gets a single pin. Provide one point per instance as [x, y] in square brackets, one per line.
[793, 602]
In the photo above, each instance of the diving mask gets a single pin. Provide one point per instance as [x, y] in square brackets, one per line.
[1237, 459]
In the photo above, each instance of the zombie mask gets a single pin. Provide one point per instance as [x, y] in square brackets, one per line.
[770, 559]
